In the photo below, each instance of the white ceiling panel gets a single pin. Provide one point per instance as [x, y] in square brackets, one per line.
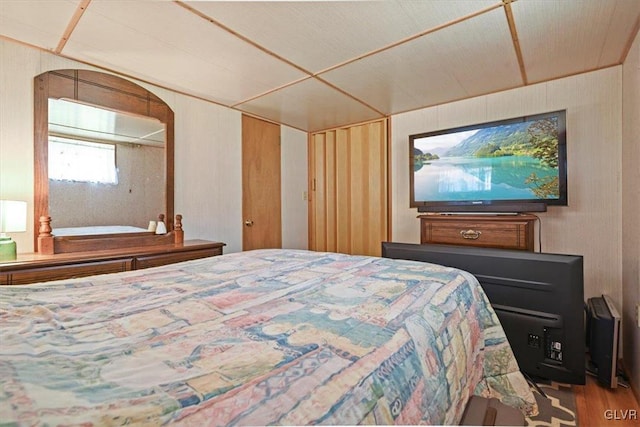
[621, 25]
[400, 79]
[164, 43]
[36, 22]
[560, 38]
[385, 57]
[320, 34]
[309, 105]
[435, 68]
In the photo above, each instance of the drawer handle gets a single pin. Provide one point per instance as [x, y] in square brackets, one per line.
[470, 234]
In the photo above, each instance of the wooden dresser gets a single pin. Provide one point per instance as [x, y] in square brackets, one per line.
[35, 267]
[493, 231]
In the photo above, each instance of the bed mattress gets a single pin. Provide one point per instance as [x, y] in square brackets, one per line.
[253, 338]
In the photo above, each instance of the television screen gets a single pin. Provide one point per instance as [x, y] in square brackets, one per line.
[517, 165]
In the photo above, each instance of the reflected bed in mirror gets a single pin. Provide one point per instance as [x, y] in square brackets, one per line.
[121, 136]
[100, 238]
[100, 230]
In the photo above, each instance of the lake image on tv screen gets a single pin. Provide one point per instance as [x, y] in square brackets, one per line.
[508, 162]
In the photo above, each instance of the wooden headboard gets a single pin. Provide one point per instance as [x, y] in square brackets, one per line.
[50, 244]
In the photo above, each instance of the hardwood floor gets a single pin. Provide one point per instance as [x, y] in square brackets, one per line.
[601, 406]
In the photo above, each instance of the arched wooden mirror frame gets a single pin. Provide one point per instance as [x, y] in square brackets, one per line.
[101, 90]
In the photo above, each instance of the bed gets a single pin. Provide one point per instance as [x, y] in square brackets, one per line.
[99, 229]
[260, 337]
[94, 238]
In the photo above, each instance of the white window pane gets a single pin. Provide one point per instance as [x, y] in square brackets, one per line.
[72, 160]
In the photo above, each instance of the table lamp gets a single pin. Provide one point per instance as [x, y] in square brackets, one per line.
[13, 218]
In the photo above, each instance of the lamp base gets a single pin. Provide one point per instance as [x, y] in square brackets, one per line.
[7, 249]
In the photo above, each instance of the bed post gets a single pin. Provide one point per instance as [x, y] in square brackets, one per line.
[45, 238]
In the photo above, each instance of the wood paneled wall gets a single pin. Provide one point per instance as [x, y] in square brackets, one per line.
[348, 189]
[630, 209]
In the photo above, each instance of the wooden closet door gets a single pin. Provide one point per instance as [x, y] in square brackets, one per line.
[348, 189]
[261, 184]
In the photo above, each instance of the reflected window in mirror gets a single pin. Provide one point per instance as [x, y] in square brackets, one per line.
[82, 161]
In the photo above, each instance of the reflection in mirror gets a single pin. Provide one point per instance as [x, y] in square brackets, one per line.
[106, 168]
[131, 181]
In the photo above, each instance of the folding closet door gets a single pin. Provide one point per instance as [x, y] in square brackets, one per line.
[348, 189]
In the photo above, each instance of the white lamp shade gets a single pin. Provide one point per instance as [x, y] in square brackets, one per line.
[13, 216]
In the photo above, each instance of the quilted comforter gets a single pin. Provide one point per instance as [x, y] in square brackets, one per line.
[255, 338]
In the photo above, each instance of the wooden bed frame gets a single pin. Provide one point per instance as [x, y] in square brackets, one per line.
[50, 244]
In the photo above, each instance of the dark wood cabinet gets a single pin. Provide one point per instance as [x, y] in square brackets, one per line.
[493, 231]
[33, 268]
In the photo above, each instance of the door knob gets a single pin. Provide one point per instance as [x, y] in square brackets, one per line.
[248, 223]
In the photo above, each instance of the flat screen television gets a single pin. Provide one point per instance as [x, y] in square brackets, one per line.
[538, 298]
[514, 165]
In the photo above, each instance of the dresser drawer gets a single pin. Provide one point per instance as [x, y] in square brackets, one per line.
[68, 271]
[493, 233]
[170, 258]
[511, 236]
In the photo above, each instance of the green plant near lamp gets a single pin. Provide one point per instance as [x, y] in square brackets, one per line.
[13, 219]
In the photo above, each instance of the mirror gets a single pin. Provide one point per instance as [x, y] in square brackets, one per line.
[103, 153]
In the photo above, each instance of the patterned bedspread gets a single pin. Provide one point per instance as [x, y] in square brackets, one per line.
[255, 338]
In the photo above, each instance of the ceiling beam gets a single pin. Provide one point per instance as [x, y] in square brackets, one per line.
[72, 24]
[514, 37]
